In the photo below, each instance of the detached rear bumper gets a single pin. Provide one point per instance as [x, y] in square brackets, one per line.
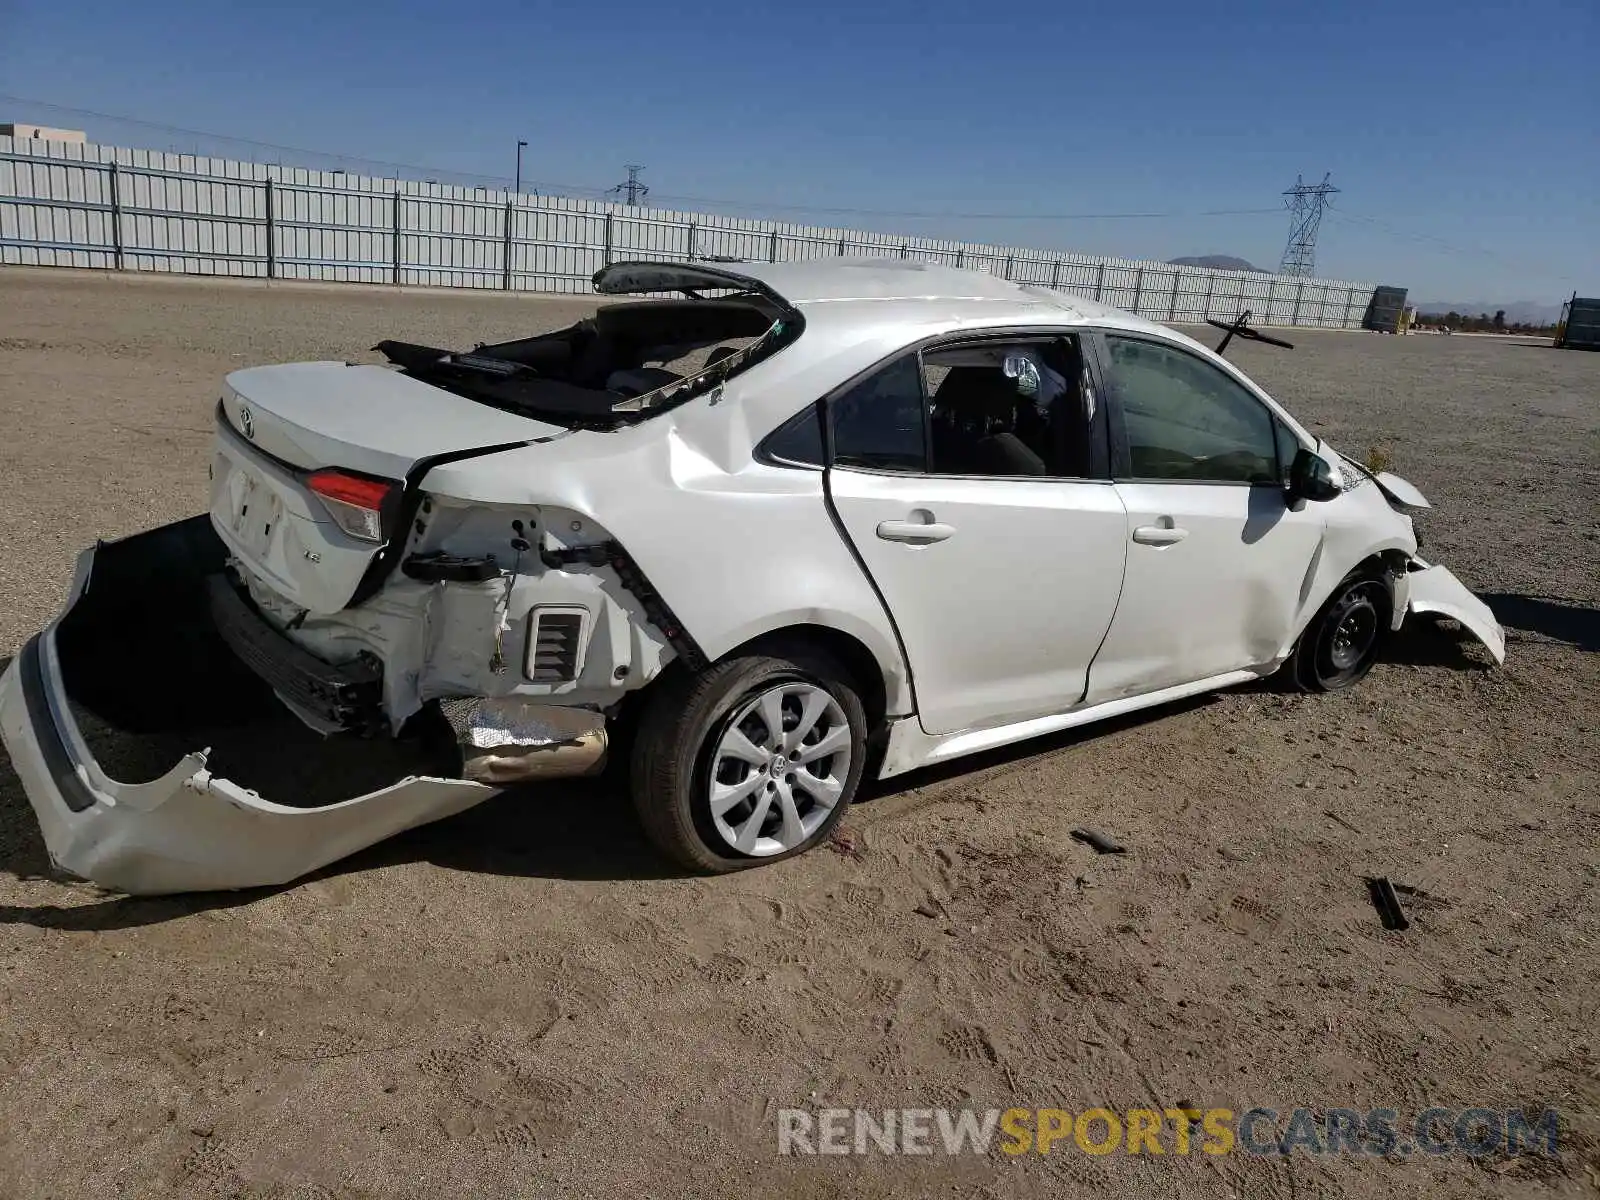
[188, 830]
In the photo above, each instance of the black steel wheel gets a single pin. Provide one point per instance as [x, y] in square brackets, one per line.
[1342, 642]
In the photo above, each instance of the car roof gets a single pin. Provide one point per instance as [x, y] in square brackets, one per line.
[877, 292]
[941, 293]
[823, 280]
[882, 300]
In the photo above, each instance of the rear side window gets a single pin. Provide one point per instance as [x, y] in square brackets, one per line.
[797, 442]
[878, 422]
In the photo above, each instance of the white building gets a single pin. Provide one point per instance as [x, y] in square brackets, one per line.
[42, 133]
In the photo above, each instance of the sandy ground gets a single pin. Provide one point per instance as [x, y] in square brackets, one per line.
[524, 1001]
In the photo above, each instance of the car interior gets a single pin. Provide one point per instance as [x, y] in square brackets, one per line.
[1006, 410]
[993, 409]
[623, 352]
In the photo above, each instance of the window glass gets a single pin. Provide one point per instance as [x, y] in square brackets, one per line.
[799, 440]
[1288, 447]
[878, 422]
[1186, 420]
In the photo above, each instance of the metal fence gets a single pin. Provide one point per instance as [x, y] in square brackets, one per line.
[76, 205]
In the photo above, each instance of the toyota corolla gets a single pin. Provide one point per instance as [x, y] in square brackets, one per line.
[782, 525]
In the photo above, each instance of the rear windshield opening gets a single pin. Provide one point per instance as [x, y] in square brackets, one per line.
[622, 365]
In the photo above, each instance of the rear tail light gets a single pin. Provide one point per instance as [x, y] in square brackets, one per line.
[355, 503]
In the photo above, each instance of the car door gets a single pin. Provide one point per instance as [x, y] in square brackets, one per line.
[971, 479]
[1217, 557]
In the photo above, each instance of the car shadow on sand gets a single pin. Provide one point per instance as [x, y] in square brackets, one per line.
[570, 829]
[581, 829]
[1427, 642]
[1548, 617]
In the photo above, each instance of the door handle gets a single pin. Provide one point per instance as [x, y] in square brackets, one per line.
[1159, 535]
[916, 532]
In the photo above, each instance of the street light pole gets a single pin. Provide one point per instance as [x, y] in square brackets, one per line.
[520, 145]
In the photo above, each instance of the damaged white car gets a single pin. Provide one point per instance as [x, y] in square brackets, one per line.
[783, 524]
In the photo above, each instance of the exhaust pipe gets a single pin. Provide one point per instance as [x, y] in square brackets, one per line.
[506, 740]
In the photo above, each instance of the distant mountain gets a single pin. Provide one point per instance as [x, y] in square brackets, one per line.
[1217, 262]
[1528, 312]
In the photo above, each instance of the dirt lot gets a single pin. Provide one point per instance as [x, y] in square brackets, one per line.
[523, 1001]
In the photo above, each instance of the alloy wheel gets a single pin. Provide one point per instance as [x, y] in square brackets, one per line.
[778, 768]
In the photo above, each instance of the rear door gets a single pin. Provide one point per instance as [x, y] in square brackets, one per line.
[971, 480]
[1216, 556]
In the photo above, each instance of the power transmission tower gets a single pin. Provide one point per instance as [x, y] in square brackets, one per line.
[1307, 202]
[632, 191]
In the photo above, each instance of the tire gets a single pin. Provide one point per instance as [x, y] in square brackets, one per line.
[1342, 641]
[686, 745]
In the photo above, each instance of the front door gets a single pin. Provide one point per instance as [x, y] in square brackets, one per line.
[962, 477]
[1216, 557]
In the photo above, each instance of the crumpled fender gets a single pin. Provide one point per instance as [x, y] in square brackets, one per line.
[1401, 493]
[1433, 589]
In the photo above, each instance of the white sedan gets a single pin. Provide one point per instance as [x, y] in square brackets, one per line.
[777, 525]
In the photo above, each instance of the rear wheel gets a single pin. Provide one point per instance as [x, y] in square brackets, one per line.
[750, 761]
[1340, 645]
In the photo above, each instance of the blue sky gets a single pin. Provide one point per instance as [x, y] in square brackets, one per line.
[1463, 136]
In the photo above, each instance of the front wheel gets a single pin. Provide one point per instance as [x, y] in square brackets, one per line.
[751, 760]
[1340, 645]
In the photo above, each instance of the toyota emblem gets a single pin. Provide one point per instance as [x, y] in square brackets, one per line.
[246, 425]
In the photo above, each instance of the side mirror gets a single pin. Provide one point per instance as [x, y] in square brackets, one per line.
[1311, 478]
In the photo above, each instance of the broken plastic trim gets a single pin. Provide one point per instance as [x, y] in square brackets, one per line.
[440, 566]
[612, 554]
[341, 696]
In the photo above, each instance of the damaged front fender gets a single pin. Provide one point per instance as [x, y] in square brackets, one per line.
[1433, 589]
[133, 648]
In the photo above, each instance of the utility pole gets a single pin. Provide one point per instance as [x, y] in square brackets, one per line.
[520, 145]
[632, 190]
[1307, 202]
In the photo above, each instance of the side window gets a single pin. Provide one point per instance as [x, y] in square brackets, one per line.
[1004, 409]
[798, 441]
[985, 409]
[878, 422]
[1186, 420]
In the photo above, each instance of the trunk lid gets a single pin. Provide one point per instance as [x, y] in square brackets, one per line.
[276, 425]
[364, 418]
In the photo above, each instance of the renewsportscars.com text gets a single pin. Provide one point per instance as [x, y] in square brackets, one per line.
[1380, 1132]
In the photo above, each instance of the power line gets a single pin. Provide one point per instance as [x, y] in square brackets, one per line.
[1344, 215]
[593, 191]
[421, 168]
[964, 216]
